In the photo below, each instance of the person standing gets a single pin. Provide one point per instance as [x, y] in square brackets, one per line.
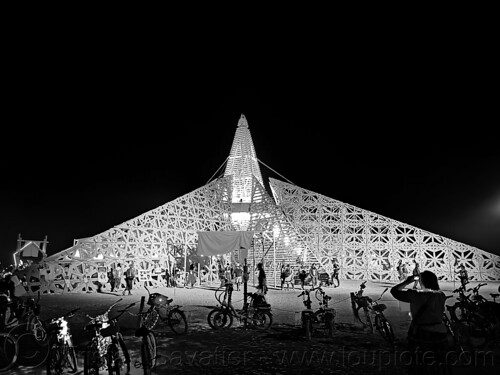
[221, 273]
[427, 335]
[119, 275]
[463, 276]
[238, 272]
[191, 276]
[416, 272]
[282, 276]
[129, 279]
[167, 277]
[399, 268]
[302, 277]
[262, 281]
[313, 272]
[112, 277]
[335, 274]
[174, 276]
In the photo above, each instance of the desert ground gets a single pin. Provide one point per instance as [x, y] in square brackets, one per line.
[281, 350]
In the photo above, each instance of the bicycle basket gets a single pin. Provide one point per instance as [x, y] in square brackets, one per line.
[362, 302]
[110, 330]
[157, 299]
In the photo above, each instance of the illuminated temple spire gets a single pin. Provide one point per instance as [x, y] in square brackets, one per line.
[242, 163]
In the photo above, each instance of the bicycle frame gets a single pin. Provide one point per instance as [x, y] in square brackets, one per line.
[61, 355]
[106, 333]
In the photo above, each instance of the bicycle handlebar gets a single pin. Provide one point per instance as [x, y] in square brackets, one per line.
[122, 311]
[305, 291]
[106, 312]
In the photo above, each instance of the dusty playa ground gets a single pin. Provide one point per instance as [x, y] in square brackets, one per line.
[280, 350]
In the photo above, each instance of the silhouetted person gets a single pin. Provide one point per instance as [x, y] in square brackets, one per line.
[427, 335]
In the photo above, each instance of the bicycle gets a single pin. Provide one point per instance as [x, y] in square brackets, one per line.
[105, 344]
[61, 355]
[255, 313]
[324, 317]
[148, 343]
[25, 319]
[160, 309]
[372, 307]
[478, 317]
[452, 331]
[307, 315]
[222, 304]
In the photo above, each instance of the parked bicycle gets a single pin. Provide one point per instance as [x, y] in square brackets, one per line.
[24, 317]
[161, 310]
[61, 355]
[307, 315]
[452, 328]
[477, 317]
[374, 313]
[324, 317]
[148, 343]
[256, 313]
[221, 296]
[106, 346]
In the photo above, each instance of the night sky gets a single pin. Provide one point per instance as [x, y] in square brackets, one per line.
[94, 144]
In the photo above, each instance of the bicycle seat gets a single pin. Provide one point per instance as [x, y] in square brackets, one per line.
[381, 307]
[263, 306]
[494, 295]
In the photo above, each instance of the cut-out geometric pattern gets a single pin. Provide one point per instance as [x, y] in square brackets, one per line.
[294, 224]
[369, 246]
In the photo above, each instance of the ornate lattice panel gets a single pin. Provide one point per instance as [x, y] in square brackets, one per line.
[369, 246]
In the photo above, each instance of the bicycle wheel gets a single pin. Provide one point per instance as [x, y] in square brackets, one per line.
[210, 317]
[454, 332]
[91, 361]
[262, 319]
[151, 318]
[330, 321]
[222, 319]
[148, 352]
[369, 322]
[113, 360]
[307, 326]
[71, 363]
[318, 295]
[124, 352]
[385, 329]
[480, 330]
[177, 321]
[54, 363]
[9, 351]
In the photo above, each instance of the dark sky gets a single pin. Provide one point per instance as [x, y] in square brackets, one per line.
[91, 144]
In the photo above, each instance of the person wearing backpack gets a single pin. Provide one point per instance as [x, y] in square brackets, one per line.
[129, 279]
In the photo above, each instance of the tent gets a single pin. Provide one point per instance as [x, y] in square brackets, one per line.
[223, 242]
